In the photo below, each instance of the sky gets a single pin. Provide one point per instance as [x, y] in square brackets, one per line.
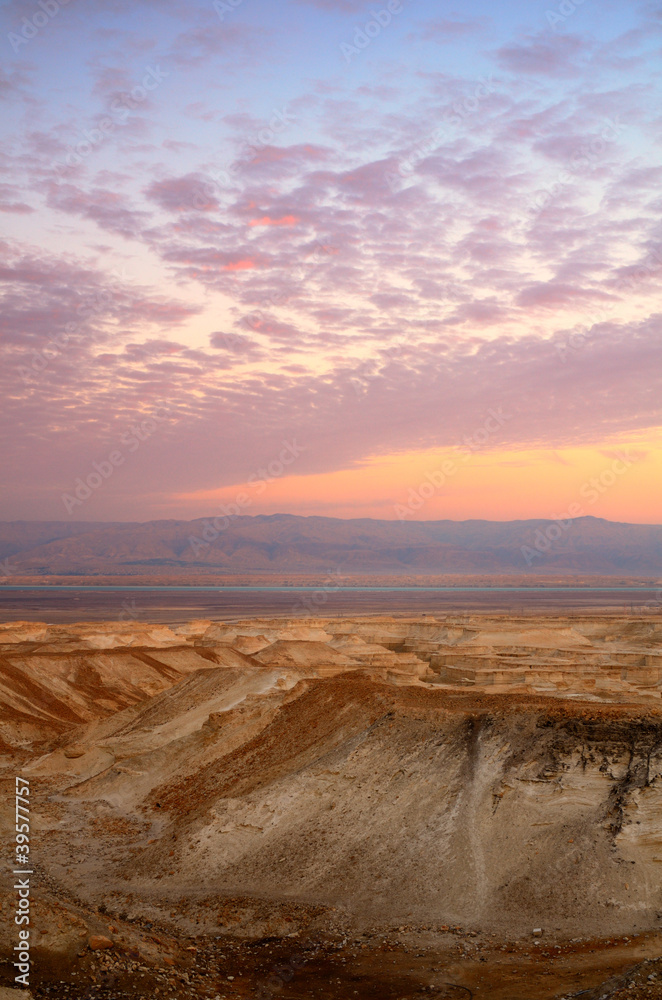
[395, 260]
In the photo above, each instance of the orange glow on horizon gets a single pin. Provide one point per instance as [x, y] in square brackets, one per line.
[618, 480]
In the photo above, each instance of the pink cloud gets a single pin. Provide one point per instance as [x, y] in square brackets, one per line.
[240, 265]
[553, 294]
[362, 310]
[183, 194]
[285, 220]
[446, 29]
[443, 390]
[10, 200]
[105, 207]
[236, 345]
[48, 297]
[208, 38]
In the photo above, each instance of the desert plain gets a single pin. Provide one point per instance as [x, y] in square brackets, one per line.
[370, 806]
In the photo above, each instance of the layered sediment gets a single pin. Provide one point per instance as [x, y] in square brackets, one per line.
[269, 778]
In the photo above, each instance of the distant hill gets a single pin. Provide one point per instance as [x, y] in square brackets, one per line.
[285, 543]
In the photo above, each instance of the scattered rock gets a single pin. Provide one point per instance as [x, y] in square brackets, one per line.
[98, 942]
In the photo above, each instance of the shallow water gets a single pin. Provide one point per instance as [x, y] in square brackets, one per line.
[177, 604]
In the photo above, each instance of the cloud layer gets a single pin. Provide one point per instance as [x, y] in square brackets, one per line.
[364, 260]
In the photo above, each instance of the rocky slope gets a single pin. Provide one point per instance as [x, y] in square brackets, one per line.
[268, 778]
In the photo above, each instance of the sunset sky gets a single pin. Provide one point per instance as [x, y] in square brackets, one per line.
[331, 257]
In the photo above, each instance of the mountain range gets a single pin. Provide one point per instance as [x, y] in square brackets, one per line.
[291, 544]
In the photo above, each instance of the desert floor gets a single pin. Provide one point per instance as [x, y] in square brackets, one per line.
[372, 806]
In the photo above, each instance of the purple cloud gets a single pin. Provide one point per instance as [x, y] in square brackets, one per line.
[545, 54]
[183, 194]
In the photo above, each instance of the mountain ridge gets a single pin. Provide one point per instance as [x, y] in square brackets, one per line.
[290, 543]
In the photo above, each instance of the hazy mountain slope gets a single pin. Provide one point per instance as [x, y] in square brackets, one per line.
[287, 543]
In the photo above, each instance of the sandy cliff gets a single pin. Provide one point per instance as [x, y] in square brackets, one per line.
[263, 778]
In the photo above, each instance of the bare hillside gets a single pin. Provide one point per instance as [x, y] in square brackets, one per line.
[283, 543]
[423, 780]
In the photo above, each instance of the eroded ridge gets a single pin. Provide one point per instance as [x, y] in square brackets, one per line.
[270, 779]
